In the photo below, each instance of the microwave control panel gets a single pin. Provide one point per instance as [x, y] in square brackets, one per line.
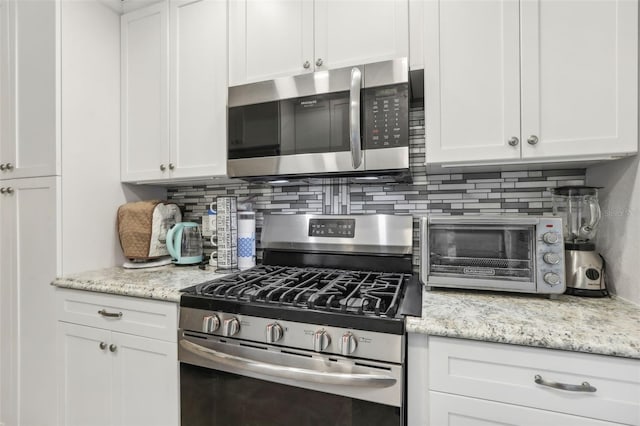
[386, 116]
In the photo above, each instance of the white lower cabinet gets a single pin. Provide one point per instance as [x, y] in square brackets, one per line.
[464, 382]
[110, 377]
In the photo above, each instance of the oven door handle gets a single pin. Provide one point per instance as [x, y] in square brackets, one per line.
[354, 117]
[292, 373]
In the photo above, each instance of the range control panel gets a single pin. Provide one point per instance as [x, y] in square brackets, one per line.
[386, 116]
[337, 228]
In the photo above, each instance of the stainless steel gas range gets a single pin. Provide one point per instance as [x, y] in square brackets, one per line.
[314, 336]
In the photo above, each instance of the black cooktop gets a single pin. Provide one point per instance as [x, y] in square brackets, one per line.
[375, 301]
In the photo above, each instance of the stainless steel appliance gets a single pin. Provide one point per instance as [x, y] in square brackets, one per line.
[348, 121]
[580, 211]
[313, 336]
[493, 252]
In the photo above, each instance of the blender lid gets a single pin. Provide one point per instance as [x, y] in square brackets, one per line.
[576, 190]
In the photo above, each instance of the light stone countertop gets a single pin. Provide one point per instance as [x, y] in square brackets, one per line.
[161, 283]
[593, 325]
[600, 326]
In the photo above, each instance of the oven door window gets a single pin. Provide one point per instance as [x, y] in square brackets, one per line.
[210, 397]
[484, 252]
[313, 124]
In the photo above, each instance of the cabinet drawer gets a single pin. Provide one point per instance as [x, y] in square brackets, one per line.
[142, 317]
[506, 373]
[453, 410]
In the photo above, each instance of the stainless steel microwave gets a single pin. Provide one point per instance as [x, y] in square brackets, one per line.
[505, 253]
[350, 121]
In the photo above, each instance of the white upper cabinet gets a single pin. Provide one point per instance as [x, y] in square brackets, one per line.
[145, 67]
[174, 91]
[198, 88]
[30, 140]
[352, 32]
[472, 94]
[276, 38]
[510, 81]
[579, 77]
[269, 39]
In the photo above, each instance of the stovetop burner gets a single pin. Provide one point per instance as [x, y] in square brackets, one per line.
[350, 292]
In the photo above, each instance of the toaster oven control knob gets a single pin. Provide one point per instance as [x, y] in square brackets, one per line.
[210, 323]
[551, 278]
[231, 327]
[550, 237]
[321, 340]
[274, 332]
[349, 344]
[551, 258]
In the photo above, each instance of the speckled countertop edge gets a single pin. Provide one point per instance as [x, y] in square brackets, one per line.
[599, 326]
[591, 325]
[161, 283]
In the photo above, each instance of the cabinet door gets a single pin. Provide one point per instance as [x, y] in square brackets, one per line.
[31, 97]
[145, 381]
[579, 85]
[453, 410]
[269, 39]
[30, 261]
[472, 85]
[352, 32]
[85, 376]
[145, 67]
[198, 88]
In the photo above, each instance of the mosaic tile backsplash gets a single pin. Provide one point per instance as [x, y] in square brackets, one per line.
[523, 192]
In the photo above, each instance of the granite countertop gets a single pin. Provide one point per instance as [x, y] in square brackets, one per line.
[593, 325]
[162, 283]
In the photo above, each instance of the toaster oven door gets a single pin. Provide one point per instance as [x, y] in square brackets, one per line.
[483, 256]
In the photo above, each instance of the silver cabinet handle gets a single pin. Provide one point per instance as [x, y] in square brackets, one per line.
[319, 62]
[354, 117]
[533, 140]
[171, 166]
[10, 190]
[104, 313]
[3, 167]
[103, 345]
[584, 387]
[163, 167]
[306, 65]
[286, 372]
[514, 141]
[9, 166]
[113, 347]
[3, 190]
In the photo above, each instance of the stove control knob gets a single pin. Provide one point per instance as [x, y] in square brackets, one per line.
[349, 343]
[551, 278]
[551, 258]
[210, 323]
[231, 327]
[274, 332]
[550, 237]
[321, 340]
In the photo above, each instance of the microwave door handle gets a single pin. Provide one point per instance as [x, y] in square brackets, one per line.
[354, 118]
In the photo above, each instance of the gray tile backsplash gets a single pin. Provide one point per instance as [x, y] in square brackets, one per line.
[524, 192]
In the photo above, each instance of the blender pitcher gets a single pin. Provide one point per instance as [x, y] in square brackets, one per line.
[578, 206]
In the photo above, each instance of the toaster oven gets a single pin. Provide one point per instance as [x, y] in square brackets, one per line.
[504, 253]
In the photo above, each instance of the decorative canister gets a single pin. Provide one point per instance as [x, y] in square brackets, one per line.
[246, 240]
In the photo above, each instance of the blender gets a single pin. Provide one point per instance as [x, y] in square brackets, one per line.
[584, 266]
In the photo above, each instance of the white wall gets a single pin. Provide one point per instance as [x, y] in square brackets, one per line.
[91, 189]
[618, 238]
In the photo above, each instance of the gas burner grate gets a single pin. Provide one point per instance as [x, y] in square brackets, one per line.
[352, 292]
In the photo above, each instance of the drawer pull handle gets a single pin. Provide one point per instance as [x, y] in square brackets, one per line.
[104, 313]
[584, 387]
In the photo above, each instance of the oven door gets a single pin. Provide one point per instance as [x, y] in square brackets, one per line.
[234, 383]
[499, 256]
